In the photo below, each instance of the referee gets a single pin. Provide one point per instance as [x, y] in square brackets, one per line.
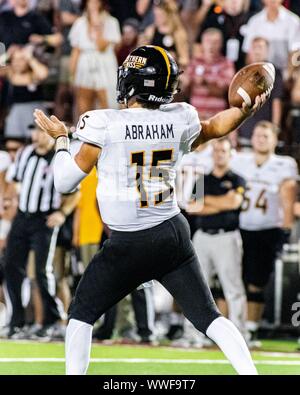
[217, 240]
[41, 212]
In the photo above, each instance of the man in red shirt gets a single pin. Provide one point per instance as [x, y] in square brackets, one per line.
[209, 76]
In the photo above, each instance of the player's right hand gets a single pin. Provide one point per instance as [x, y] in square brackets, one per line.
[53, 126]
[259, 102]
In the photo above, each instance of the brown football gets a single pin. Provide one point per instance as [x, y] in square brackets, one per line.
[249, 82]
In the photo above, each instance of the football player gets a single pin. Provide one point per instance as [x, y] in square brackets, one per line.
[136, 151]
[267, 213]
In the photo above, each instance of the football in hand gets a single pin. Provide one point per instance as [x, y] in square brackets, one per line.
[251, 81]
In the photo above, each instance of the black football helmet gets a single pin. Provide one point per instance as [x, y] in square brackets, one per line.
[149, 74]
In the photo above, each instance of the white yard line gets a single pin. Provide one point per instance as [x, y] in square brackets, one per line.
[149, 360]
[278, 354]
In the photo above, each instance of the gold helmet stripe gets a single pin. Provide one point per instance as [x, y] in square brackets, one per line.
[164, 54]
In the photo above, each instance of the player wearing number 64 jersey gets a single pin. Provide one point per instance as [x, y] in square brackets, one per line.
[136, 151]
[267, 213]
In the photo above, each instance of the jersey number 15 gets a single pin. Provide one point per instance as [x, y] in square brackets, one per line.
[138, 159]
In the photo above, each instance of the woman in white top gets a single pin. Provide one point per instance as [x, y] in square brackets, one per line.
[93, 62]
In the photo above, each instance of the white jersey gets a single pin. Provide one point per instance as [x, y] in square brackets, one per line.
[141, 149]
[262, 208]
[192, 167]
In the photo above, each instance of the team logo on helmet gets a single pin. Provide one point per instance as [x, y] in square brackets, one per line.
[135, 62]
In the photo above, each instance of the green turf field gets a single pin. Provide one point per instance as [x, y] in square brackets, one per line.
[40, 358]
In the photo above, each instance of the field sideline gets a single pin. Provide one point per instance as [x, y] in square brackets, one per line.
[277, 357]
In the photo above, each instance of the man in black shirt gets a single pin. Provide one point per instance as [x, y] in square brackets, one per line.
[22, 26]
[217, 240]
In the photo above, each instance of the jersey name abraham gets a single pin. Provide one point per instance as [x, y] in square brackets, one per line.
[141, 149]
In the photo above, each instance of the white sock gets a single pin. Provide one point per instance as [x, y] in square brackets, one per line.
[78, 347]
[233, 345]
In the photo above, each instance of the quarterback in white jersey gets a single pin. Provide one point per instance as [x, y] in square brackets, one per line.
[267, 213]
[136, 151]
[137, 165]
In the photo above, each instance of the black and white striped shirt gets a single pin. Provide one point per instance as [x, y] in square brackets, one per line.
[35, 173]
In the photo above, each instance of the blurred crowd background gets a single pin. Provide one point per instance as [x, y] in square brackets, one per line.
[62, 56]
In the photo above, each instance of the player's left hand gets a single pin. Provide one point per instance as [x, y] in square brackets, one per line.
[55, 219]
[53, 126]
[259, 102]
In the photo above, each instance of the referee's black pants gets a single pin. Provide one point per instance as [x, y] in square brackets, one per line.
[30, 232]
[128, 259]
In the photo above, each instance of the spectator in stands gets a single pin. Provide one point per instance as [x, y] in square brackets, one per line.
[144, 9]
[272, 111]
[187, 13]
[293, 85]
[277, 25]
[22, 25]
[231, 22]
[209, 75]
[69, 11]
[168, 32]
[93, 61]
[47, 8]
[123, 10]
[130, 35]
[206, 9]
[25, 75]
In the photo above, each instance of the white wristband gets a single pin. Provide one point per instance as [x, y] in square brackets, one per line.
[5, 226]
[62, 144]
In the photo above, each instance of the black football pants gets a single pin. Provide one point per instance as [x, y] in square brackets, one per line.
[128, 259]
